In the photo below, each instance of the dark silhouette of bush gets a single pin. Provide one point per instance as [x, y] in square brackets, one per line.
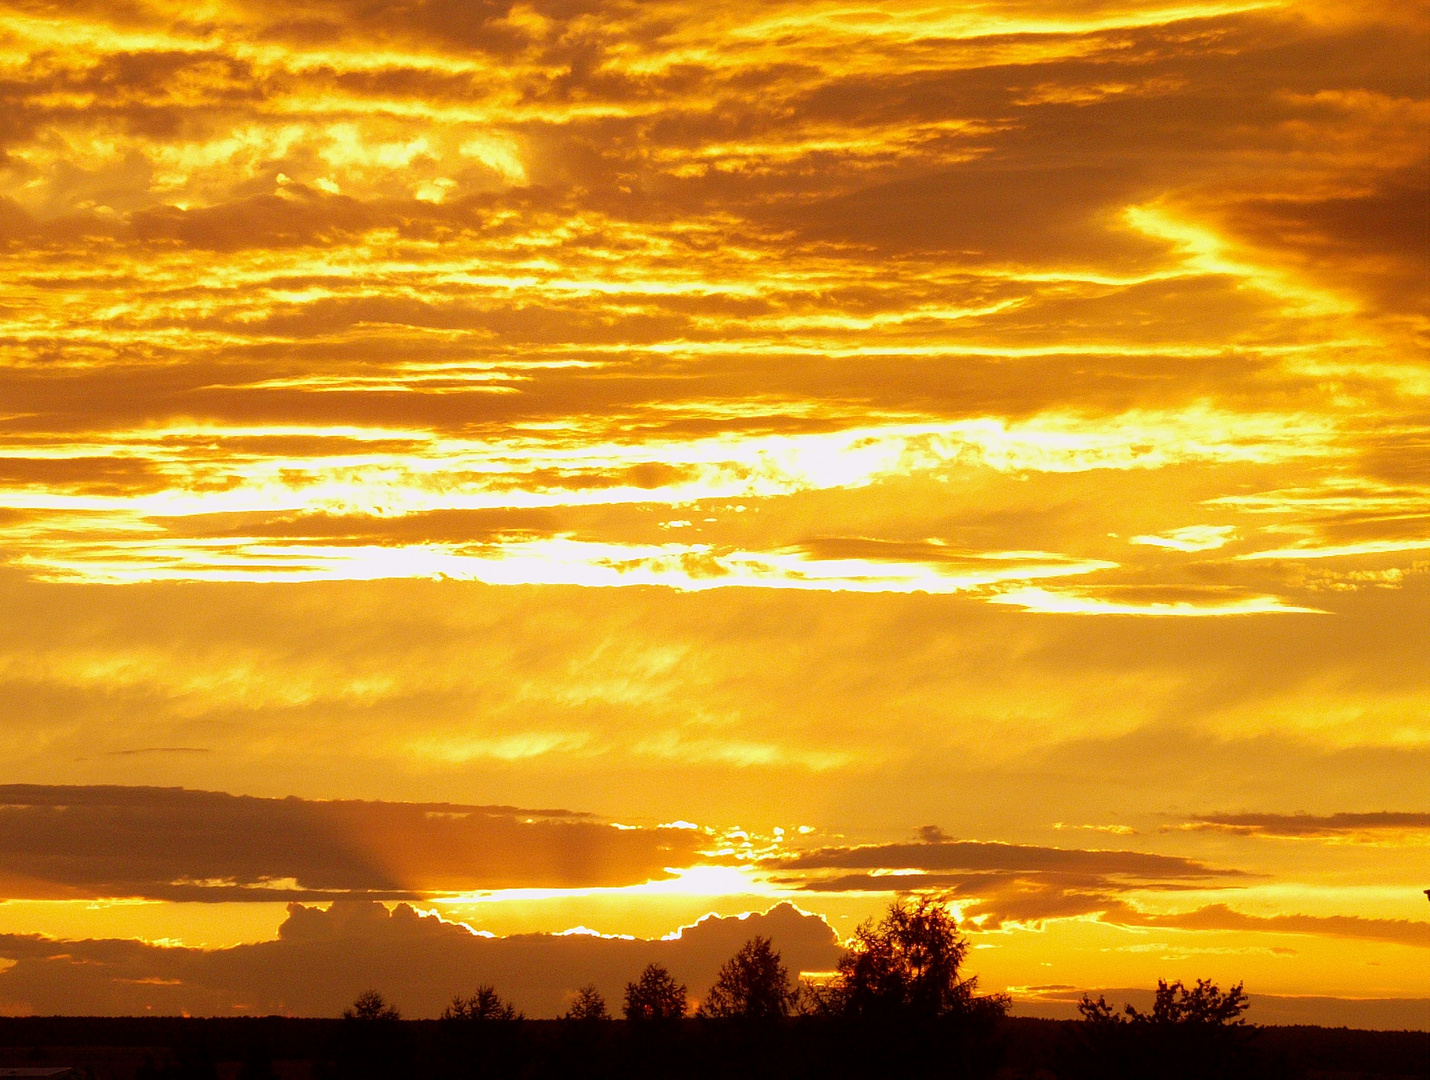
[1175, 1004]
[586, 1044]
[1191, 1034]
[654, 1041]
[751, 985]
[655, 996]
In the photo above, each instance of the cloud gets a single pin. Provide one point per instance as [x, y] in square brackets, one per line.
[1312, 826]
[996, 883]
[321, 960]
[174, 844]
[1221, 917]
[1370, 235]
[1190, 538]
[944, 329]
[979, 855]
[573, 251]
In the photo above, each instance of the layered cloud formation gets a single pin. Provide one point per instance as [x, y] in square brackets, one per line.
[117, 845]
[786, 296]
[151, 843]
[802, 419]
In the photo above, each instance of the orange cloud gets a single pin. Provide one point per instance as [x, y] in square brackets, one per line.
[172, 844]
[351, 358]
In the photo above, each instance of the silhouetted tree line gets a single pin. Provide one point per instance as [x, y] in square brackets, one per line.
[898, 1005]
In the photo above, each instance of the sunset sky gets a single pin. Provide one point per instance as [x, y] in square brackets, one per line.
[589, 465]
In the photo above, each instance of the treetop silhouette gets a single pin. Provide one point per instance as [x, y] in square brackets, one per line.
[1175, 1004]
[371, 1006]
[1189, 1035]
[655, 996]
[753, 985]
[485, 1005]
[588, 1006]
[905, 965]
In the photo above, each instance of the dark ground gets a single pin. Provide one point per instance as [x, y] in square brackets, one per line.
[275, 1048]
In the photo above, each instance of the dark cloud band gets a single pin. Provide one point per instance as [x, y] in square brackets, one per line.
[173, 844]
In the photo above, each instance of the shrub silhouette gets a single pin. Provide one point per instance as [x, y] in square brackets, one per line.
[1175, 1004]
[1204, 1005]
[1189, 1033]
[753, 984]
[655, 996]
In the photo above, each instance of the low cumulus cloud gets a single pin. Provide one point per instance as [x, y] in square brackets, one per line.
[321, 960]
[176, 844]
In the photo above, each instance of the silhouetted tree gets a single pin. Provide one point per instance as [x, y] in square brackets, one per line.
[584, 1050]
[898, 1005]
[588, 1006]
[655, 996]
[480, 1037]
[1174, 1004]
[753, 984]
[906, 965]
[371, 1042]
[1205, 1004]
[371, 1006]
[485, 1004]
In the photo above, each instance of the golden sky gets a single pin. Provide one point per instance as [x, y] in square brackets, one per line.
[595, 464]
